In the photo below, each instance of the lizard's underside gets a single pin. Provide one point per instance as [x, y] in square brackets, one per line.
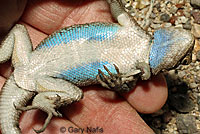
[113, 55]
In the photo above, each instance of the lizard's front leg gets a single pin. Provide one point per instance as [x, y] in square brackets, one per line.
[145, 70]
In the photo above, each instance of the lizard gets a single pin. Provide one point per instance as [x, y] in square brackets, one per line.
[114, 55]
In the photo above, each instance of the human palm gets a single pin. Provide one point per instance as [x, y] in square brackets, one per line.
[101, 108]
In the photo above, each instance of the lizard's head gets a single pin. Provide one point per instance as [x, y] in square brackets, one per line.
[171, 46]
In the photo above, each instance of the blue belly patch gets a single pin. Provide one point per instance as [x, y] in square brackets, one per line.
[86, 72]
[89, 32]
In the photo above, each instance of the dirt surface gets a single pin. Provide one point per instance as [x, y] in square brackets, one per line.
[181, 113]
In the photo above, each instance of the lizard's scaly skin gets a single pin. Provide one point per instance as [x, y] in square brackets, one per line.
[12, 95]
[82, 55]
[79, 51]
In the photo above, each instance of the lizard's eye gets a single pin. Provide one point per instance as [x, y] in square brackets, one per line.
[187, 59]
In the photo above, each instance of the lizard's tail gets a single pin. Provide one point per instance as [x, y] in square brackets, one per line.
[11, 96]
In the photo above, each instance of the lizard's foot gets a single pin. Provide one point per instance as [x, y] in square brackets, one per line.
[145, 70]
[115, 82]
[46, 102]
[48, 119]
[109, 82]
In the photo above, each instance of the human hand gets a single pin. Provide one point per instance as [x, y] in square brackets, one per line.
[10, 12]
[99, 108]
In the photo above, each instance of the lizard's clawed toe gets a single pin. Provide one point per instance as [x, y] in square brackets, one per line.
[110, 81]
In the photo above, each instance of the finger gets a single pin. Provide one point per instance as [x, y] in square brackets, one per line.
[35, 119]
[149, 96]
[51, 15]
[2, 81]
[105, 109]
[5, 69]
[38, 13]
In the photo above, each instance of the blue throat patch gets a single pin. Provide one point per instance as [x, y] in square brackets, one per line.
[161, 46]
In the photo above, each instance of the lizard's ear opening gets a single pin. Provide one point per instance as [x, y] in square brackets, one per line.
[170, 47]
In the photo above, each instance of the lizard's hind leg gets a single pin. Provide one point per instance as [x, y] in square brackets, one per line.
[18, 45]
[52, 94]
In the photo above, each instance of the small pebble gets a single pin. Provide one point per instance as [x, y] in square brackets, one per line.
[165, 17]
[176, 1]
[168, 3]
[187, 14]
[179, 25]
[187, 25]
[197, 78]
[142, 4]
[155, 26]
[180, 12]
[182, 19]
[156, 21]
[196, 30]
[195, 3]
[167, 24]
[196, 15]
[181, 102]
[173, 20]
[157, 6]
[186, 124]
[193, 85]
[198, 102]
[153, 15]
[198, 55]
[181, 74]
[179, 5]
[173, 9]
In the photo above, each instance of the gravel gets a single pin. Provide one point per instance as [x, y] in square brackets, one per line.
[180, 114]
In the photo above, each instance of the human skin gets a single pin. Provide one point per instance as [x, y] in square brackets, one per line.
[10, 12]
[114, 113]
